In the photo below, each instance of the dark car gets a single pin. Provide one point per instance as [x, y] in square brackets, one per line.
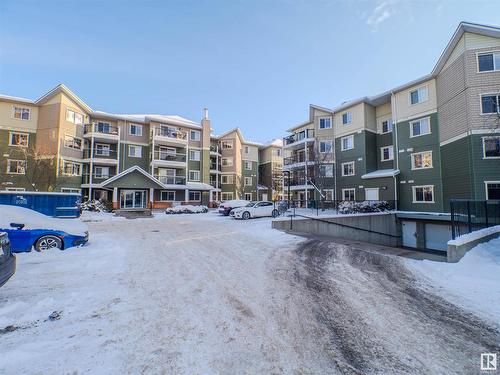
[7, 259]
[226, 207]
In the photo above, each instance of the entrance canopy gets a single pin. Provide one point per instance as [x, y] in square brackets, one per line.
[133, 178]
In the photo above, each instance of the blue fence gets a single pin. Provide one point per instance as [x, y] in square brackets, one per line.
[51, 204]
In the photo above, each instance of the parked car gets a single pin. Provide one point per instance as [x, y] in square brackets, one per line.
[29, 229]
[226, 207]
[255, 209]
[7, 259]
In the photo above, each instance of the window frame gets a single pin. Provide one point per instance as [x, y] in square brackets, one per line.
[194, 179]
[495, 68]
[229, 177]
[412, 160]
[73, 138]
[194, 192]
[101, 167]
[348, 115]
[72, 173]
[196, 152]
[497, 137]
[481, 104]
[412, 135]
[228, 194]
[342, 165]
[419, 101]
[69, 190]
[25, 162]
[325, 119]
[11, 133]
[137, 126]
[134, 156]
[391, 156]
[197, 137]
[246, 179]
[414, 193]
[389, 125]
[107, 148]
[342, 143]
[245, 163]
[225, 143]
[22, 109]
[330, 142]
[250, 197]
[349, 189]
[486, 183]
[226, 158]
[167, 192]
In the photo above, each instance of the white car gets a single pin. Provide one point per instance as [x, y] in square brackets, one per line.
[226, 206]
[255, 209]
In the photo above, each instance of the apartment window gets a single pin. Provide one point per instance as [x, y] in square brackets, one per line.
[325, 147]
[226, 196]
[387, 153]
[194, 135]
[423, 194]
[72, 142]
[247, 150]
[248, 181]
[21, 113]
[134, 151]
[167, 195]
[278, 152]
[248, 196]
[490, 104]
[71, 190]
[347, 143]
[346, 118]
[194, 196]
[135, 129]
[492, 190]
[326, 170]
[19, 139]
[419, 95]
[491, 147]
[194, 175]
[328, 193]
[488, 62]
[72, 169]
[248, 165]
[101, 172]
[227, 145]
[325, 123]
[15, 189]
[103, 127]
[227, 179]
[227, 162]
[387, 126]
[348, 169]
[194, 155]
[74, 117]
[102, 149]
[420, 127]
[421, 160]
[349, 194]
[16, 166]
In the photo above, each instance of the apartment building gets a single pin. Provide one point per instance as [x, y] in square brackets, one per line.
[419, 144]
[135, 161]
[270, 184]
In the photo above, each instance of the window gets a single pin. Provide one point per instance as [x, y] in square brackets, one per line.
[102, 149]
[387, 153]
[19, 139]
[423, 194]
[71, 190]
[194, 175]
[134, 151]
[21, 113]
[420, 127]
[387, 126]
[135, 129]
[16, 166]
[419, 95]
[103, 127]
[194, 196]
[194, 155]
[349, 194]
[326, 170]
[278, 152]
[347, 143]
[248, 181]
[226, 196]
[421, 160]
[227, 162]
[101, 172]
[325, 123]
[490, 104]
[325, 147]
[247, 150]
[248, 196]
[15, 189]
[492, 190]
[328, 193]
[167, 195]
[72, 142]
[248, 165]
[227, 179]
[488, 62]
[227, 145]
[348, 169]
[346, 118]
[74, 117]
[491, 147]
[72, 169]
[194, 135]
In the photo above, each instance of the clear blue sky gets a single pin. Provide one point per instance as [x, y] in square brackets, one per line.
[254, 64]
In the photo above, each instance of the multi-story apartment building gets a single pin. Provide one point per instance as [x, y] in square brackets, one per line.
[419, 144]
[270, 185]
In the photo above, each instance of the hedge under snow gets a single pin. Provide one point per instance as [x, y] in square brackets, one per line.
[187, 209]
[351, 207]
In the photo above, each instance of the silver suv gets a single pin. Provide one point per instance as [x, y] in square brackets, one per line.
[7, 259]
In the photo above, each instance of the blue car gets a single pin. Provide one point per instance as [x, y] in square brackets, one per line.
[28, 229]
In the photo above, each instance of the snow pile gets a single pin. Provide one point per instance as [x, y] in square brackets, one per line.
[35, 220]
[187, 209]
[352, 207]
[473, 282]
[234, 203]
[97, 205]
[473, 236]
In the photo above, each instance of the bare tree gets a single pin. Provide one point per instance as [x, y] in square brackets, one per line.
[40, 170]
[323, 169]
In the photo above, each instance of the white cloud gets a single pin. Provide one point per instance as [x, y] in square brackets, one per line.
[383, 11]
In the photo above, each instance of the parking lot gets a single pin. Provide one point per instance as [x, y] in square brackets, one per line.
[203, 294]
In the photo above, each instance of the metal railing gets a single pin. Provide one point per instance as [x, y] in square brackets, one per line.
[298, 181]
[97, 178]
[102, 128]
[342, 206]
[470, 215]
[171, 180]
[215, 149]
[215, 167]
[298, 158]
[170, 133]
[169, 156]
[100, 153]
[297, 137]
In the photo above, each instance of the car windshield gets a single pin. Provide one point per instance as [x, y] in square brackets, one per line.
[251, 204]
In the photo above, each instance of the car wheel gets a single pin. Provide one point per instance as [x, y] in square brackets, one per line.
[275, 213]
[246, 215]
[47, 243]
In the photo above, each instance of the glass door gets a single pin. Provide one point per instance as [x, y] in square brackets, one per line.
[133, 199]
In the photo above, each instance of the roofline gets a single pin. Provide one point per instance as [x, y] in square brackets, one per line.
[15, 99]
[129, 170]
[299, 126]
[67, 91]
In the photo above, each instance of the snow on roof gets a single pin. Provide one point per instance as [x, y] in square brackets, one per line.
[198, 186]
[16, 99]
[261, 187]
[381, 173]
[143, 118]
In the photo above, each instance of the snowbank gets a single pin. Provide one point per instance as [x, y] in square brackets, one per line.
[234, 203]
[473, 236]
[187, 209]
[474, 282]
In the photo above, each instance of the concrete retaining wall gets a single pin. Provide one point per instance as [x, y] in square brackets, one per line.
[382, 223]
[458, 248]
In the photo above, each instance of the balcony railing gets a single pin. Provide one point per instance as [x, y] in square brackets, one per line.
[100, 153]
[215, 149]
[107, 129]
[215, 167]
[298, 181]
[171, 180]
[297, 137]
[170, 133]
[169, 156]
[298, 158]
[97, 178]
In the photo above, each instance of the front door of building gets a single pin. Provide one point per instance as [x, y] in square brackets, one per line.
[371, 194]
[133, 199]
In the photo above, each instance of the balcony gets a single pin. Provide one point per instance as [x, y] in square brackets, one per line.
[214, 150]
[298, 140]
[215, 168]
[101, 156]
[298, 160]
[171, 180]
[169, 136]
[298, 183]
[169, 159]
[102, 132]
[96, 178]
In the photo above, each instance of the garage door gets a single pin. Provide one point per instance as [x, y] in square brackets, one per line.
[437, 236]
[409, 233]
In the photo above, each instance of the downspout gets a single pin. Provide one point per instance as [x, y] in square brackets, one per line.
[306, 175]
[91, 165]
[396, 147]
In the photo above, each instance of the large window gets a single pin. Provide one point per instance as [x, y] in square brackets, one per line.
[326, 170]
[488, 62]
[387, 126]
[248, 196]
[101, 172]
[423, 194]
[194, 155]
[72, 142]
[72, 169]
[227, 145]
[21, 113]
[420, 127]
[16, 166]
[325, 147]
[134, 151]
[71, 190]
[248, 165]
[346, 118]
[102, 149]
[167, 195]
[19, 139]
[226, 196]
[135, 129]
[492, 190]
[227, 179]
[348, 169]
[325, 123]
[349, 194]
[247, 150]
[194, 135]
[347, 143]
[421, 160]
[491, 147]
[74, 117]
[490, 104]
[248, 181]
[387, 153]
[195, 196]
[194, 175]
[227, 162]
[419, 95]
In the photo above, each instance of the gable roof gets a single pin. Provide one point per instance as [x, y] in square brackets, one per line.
[63, 89]
[135, 168]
